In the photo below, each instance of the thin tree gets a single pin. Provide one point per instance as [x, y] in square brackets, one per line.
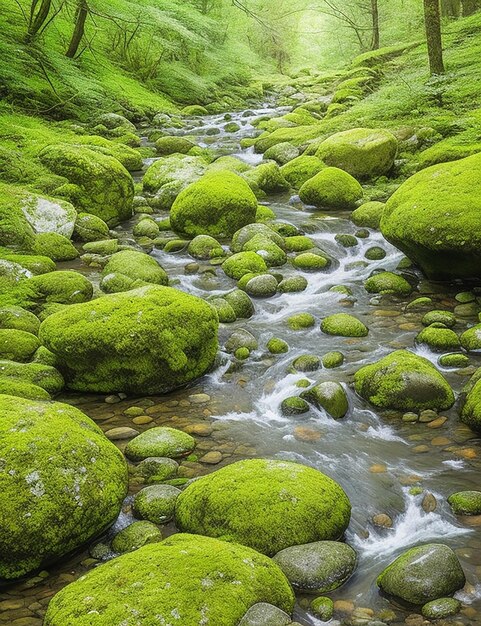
[375, 25]
[451, 8]
[81, 14]
[432, 21]
[470, 6]
[39, 11]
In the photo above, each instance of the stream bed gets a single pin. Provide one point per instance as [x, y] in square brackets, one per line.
[234, 412]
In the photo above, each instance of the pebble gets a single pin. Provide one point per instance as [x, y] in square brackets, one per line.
[112, 399]
[429, 503]
[427, 416]
[142, 419]
[199, 430]
[410, 417]
[199, 398]
[302, 433]
[121, 432]
[212, 458]
[344, 606]
[134, 411]
[440, 441]
[382, 520]
[378, 468]
[438, 422]
[421, 449]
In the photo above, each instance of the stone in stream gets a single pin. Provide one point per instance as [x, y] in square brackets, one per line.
[438, 316]
[306, 363]
[15, 317]
[363, 152]
[332, 359]
[309, 261]
[108, 593]
[465, 502]
[471, 411]
[423, 574]
[243, 263]
[317, 567]
[225, 312]
[241, 338]
[294, 406]
[161, 441]
[156, 469]
[301, 169]
[441, 608]
[205, 247]
[298, 243]
[241, 303]
[218, 204]
[267, 178]
[37, 374]
[172, 174]
[62, 479]
[471, 339]
[433, 218]
[322, 608]
[328, 396]
[292, 284]
[282, 153]
[263, 614]
[301, 321]
[368, 214]
[129, 269]
[148, 340]
[376, 253]
[343, 325]
[331, 188]
[135, 536]
[17, 345]
[388, 282]
[156, 503]
[168, 145]
[61, 287]
[403, 381]
[55, 247]
[146, 227]
[456, 359]
[277, 346]
[97, 183]
[263, 286]
[438, 338]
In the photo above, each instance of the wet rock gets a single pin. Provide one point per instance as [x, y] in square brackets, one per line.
[465, 502]
[317, 567]
[343, 325]
[456, 359]
[292, 284]
[306, 363]
[135, 536]
[156, 503]
[121, 432]
[156, 469]
[331, 188]
[263, 614]
[441, 608]
[322, 608]
[332, 359]
[410, 417]
[471, 411]
[438, 338]
[388, 283]
[277, 346]
[427, 416]
[294, 406]
[308, 261]
[443, 317]
[382, 520]
[329, 396]
[429, 503]
[375, 253]
[423, 574]
[368, 214]
[212, 458]
[301, 321]
[345, 240]
[241, 338]
[471, 339]
[241, 303]
[264, 286]
[267, 505]
[161, 441]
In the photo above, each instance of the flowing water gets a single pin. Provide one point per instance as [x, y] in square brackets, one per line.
[376, 458]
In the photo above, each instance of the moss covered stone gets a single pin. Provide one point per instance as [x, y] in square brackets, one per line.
[332, 359]
[441, 608]
[387, 282]
[241, 338]
[263, 286]
[471, 411]
[218, 204]
[438, 337]
[344, 325]
[62, 287]
[22, 389]
[97, 183]
[267, 505]
[174, 170]
[90, 228]
[49, 215]
[129, 269]
[322, 608]
[110, 592]
[160, 441]
[465, 502]
[104, 247]
[292, 284]
[135, 536]
[404, 381]
[282, 153]
[43, 376]
[363, 152]
[156, 503]
[33, 263]
[17, 345]
[267, 177]
[55, 247]
[376, 253]
[242, 263]
[456, 359]
[310, 261]
[277, 346]
[306, 363]
[225, 312]
[146, 227]
[317, 567]
[273, 254]
[173, 144]
[264, 614]
[471, 339]
[368, 214]
[298, 243]
[148, 340]
[16, 317]
[331, 188]
[301, 169]
[63, 483]
[433, 218]
[294, 406]
[301, 321]
[328, 396]
[241, 303]
[156, 469]
[423, 574]
[205, 247]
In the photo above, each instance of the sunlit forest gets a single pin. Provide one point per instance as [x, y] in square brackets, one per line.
[240, 312]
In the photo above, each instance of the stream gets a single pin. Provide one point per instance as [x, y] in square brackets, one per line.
[234, 412]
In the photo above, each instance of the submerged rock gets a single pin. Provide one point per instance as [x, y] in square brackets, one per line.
[62, 483]
[148, 340]
[388, 282]
[403, 381]
[423, 574]
[178, 573]
[267, 505]
[441, 608]
[156, 503]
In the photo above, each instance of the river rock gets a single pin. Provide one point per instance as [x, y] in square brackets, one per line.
[263, 614]
[403, 381]
[423, 574]
[267, 505]
[317, 567]
[148, 340]
[330, 396]
[129, 269]
[465, 502]
[156, 469]
[344, 325]
[108, 593]
[156, 503]
[368, 214]
[331, 188]
[160, 441]
[65, 486]
[471, 411]
[135, 536]
[441, 608]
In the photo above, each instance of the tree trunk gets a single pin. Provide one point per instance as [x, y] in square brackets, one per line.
[79, 28]
[451, 8]
[38, 19]
[432, 20]
[470, 6]
[375, 25]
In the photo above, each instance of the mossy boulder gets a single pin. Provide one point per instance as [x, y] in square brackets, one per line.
[205, 247]
[160, 441]
[17, 345]
[62, 287]
[301, 321]
[404, 381]
[328, 396]
[368, 215]
[301, 169]
[225, 312]
[362, 152]
[148, 340]
[433, 218]
[171, 144]
[441, 608]
[423, 574]
[156, 469]
[241, 303]
[471, 339]
[306, 363]
[129, 269]
[376, 253]
[146, 227]
[218, 205]
[455, 359]
[264, 614]
[389, 283]
[298, 243]
[465, 502]
[471, 411]
[266, 177]
[311, 261]
[90, 228]
[242, 263]
[176, 170]
[55, 247]
[292, 284]
[97, 183]
[255, 231]
[277, 346]
[44, 376]
[49, 215]
[446, 318]
[22, 389]
[294, 406]
[135, 536]
[15, 230]
[282, 153]
[156, 503]
[439, 338]
[344, 325]
[273, 254]
[34, 263]
[63, 483]
[317, 567]
[331, 188]
[267, 505]
[263, 286]
[332, 359]
[110, 592]
[16, 317]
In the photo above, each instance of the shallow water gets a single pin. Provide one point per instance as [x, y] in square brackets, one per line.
[376, 458]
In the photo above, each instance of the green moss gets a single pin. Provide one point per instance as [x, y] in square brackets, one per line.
[306, 363]
[266, 177]
[403, 381]
[148, 340]
[252, 231]
[267, 505]
[273, 255]
[55, 246]
[432, 218]
[328, 396]
[205, 247]
[172, 144]
[19, 319]
[332, 359]
[376, 253]
[262, 286]
[264, 214]
[368, 214]
[135, 536]
[294, 406]
[301, 321]
[146, 227]
[129, 269]
[471, 411]
[98, 184]
[175, 170]
[471, 339]
[194, 110]
[282, 153]
[292, 284]
[277, 346]
[90, 228]
[362, 152]
[160, 442]
[104, 247]
[35, 264]
[343, 325]
[453, 360]
[231, 163]
[298, 136]
[241, 338]
[62, 287]
[15, 231]
[46, 445]
[43, 376]
[298, 243]
[241, 303]
[301, 169]
[22, 389]
[423, 574]
[441, 608]
[131, 159]
[322, 608]
[308, 261]
[331, 188]
[218, 204]
[17, 345]
[225, 312]
[243, 263]
[465, 502]
[387, 282]
[346, 240]
[108, 592]
[438, 337]
[242, 353]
